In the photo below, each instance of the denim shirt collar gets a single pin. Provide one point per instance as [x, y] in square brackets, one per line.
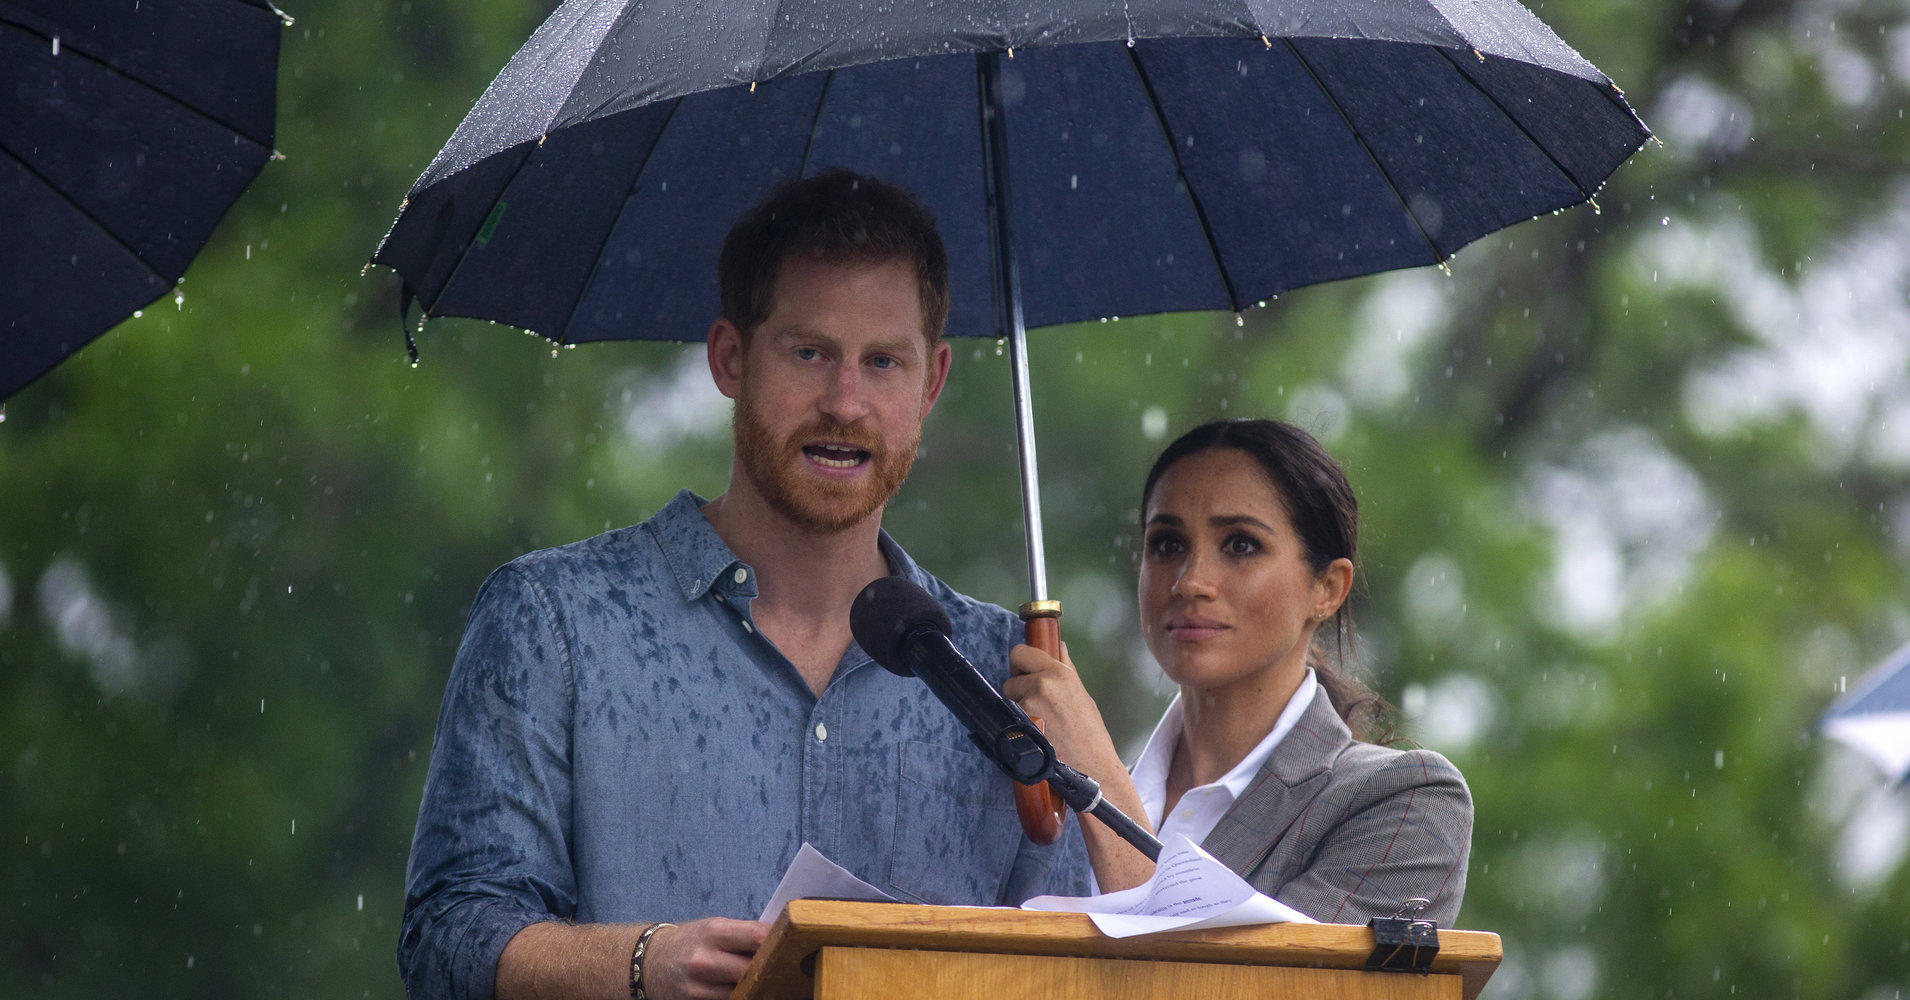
[700, 559]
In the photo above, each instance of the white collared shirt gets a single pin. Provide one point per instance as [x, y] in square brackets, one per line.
[1199, 811]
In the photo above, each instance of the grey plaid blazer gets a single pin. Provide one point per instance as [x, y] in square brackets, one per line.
[1345, 831]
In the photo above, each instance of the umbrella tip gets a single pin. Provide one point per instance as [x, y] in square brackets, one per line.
[1268, 42]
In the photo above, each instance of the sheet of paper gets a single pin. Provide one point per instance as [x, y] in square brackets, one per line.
[812, 876]
[1189, 890]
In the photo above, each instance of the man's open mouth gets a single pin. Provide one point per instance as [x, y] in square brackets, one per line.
[836, 456]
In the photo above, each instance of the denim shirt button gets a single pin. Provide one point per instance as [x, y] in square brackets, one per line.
[822, 732]
[747, 627]
[741, 575]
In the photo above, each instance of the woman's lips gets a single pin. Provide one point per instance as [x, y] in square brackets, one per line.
[1194, 629]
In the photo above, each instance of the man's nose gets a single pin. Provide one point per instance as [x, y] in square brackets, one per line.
[846, 398]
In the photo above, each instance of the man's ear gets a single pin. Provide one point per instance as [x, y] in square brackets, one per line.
[938, 362]
[726, 350]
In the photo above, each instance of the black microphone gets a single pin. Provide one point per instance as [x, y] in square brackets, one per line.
[904, 629]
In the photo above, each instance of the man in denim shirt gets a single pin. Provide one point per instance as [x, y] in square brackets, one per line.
[644, 726]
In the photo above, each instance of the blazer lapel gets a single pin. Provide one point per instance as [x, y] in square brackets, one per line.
[1300, 766]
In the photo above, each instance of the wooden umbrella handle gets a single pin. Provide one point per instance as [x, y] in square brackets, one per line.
[1043, 816]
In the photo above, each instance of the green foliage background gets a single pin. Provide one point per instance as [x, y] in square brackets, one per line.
[238, 535]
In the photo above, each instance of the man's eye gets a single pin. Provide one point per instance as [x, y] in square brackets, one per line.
[884, 362]
[807, 354]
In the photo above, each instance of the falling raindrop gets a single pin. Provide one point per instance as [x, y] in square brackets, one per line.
[56, 45]
[1666, 221]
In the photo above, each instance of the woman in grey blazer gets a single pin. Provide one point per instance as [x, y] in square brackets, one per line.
[1271, 757]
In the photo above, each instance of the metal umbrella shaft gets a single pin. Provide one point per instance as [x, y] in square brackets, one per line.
[1008, 300]
[1040, 808]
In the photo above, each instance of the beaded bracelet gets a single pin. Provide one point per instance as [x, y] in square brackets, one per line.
[636, 960]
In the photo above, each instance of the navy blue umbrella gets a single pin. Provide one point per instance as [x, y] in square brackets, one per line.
[127, 128]
[1874, 719]
[1084, 159]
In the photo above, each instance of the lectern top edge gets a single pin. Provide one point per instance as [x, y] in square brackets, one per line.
[808, 925]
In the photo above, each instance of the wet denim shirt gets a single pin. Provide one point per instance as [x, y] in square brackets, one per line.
[617, 743]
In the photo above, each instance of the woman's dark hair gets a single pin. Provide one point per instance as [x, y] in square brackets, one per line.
[1314, 492]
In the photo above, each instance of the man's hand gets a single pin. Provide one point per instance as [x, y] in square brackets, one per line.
[702, 959]
[697, 960]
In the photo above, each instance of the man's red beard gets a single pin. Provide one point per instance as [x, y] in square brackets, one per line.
[815, 503]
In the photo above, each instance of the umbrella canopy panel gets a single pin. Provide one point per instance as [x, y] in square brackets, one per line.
[1167, 174]
[126, 130]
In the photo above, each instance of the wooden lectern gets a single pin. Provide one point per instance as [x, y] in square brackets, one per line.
[832, 950]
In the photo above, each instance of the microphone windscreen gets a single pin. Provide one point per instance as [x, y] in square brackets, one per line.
[886, 611]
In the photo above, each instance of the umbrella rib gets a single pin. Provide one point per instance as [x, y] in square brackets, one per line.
[1364, 148]
[81, 53]
[1460, 68]
[828, 79]
[1180, 170]
[629, 190]
[97, 222]
[464, 252]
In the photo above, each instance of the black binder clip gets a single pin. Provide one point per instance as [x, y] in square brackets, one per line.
[1403, 942]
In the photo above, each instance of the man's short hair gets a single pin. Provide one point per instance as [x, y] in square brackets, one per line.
[835, 217]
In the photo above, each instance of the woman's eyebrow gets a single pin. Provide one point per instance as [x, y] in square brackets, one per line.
[1230, 520]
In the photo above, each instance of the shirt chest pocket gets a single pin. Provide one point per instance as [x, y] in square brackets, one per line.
[956, 833]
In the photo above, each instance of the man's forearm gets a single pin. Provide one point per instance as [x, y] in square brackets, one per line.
[556, 961]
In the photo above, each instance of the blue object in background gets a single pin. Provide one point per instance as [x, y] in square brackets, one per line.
[1874, 719]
